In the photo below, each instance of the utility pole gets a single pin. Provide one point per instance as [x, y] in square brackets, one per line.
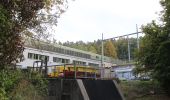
[137, 36]
[102, 59]
[102, 52]
[128, 48]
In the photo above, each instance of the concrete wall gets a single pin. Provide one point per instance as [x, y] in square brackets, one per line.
[63, 89]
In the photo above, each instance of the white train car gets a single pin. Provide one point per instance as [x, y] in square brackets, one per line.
[57, 54]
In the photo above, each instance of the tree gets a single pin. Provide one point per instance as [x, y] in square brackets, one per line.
[110, 50]
[92, 49]
[162, 68]
[122, 48]
[16, 16]
[154, 51]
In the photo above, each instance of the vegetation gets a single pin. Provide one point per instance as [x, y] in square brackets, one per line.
[17, 18]
[142, 90]
[17, 85]
[153, 56]
[112, 48]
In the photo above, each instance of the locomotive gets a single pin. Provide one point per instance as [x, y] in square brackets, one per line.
[73, 71]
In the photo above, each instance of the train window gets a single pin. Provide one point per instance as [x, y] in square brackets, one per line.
[48, 48]
[75, 53]
[84, 63]
[93, 65]
[85, 55]
[78, 54]
[63, 60]
[30, 55]
[57, 49]
[45, 47]
[36, 56]
[67, 61]
[53, 48]
[56, 59]
[72, 53]
[62, 50]
[68, 52]
[81, 54]
[89, 56]
[97, 57]
[47, 57]
[41, 57]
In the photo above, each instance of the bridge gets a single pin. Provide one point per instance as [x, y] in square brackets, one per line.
[77, 89]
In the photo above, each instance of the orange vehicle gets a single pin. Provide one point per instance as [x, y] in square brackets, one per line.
[71, 71]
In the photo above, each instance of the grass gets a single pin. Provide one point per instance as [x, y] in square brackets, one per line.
[142, 90]
[25, 91]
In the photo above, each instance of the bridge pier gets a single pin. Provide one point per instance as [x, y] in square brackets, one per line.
[77, 89]
[64, 89]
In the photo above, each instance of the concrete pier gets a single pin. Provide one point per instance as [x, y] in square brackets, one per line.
[77, 89]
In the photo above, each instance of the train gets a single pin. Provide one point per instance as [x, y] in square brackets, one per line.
[73, 71]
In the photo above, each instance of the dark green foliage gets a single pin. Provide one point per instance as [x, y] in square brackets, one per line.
[142, 90]
[8, 79]
[39, 83]
[17, 16]
[121, 46]
[14, 82]
[162, 69]
[10, 43]
[90, 46]
[149, 44]
[154, 55]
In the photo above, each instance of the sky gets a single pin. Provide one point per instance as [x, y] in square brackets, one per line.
[86, 20]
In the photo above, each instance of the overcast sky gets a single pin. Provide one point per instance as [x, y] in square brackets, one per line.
[86, 20]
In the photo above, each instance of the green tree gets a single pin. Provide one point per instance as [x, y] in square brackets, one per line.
[110, 50]
[162, 68]
[122, 48]
[121, 45]
[92, 49]
[154, 51]
[16, 16]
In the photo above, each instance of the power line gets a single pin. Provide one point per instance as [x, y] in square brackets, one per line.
[122, 36]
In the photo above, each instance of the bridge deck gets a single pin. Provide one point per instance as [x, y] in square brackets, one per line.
[101, 90]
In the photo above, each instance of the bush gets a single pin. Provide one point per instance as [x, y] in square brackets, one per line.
[134, 90]
[8, 80]
[162, 69]
[17, 85]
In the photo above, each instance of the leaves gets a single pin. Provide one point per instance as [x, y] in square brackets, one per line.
[154, 52]
[17, 16]
[110, 50]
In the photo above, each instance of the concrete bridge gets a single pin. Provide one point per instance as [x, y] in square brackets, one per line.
[77, 89]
